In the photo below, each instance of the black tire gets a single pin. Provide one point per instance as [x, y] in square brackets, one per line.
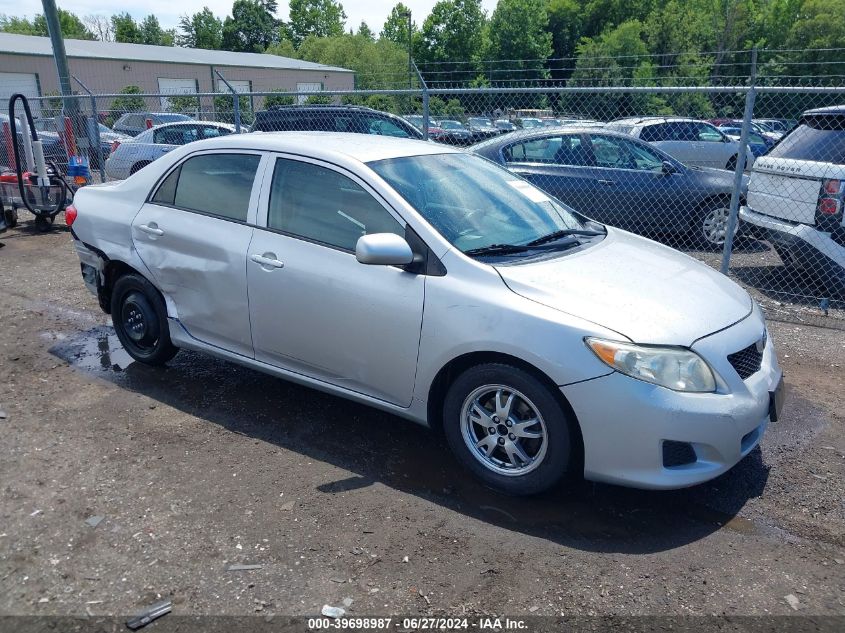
[11, 216]
[138, 166]
[140, 320]
[555, 460]
[42, 223]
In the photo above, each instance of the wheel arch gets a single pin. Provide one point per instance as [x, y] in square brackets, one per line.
[452, 369]
[112, 271]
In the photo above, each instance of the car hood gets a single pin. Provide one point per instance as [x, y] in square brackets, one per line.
[647, 292]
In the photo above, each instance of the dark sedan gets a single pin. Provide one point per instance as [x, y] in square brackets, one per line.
[619, 180]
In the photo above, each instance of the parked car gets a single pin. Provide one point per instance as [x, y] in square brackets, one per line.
[758, 144]
[133, 123]
[504, 125]
[770, 136]
[452, 132]
[618, 180]
[549, 341]
[690, 141]
[54, 149]
[481, 128]
[107, 138]
[134, 154]
[529, 123]
[796, 194]
[334, 118]
[780, 126]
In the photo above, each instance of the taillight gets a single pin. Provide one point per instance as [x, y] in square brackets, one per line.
[115, 145]
[70, 215]
[832, 187]
[148, 123]
[828, 206]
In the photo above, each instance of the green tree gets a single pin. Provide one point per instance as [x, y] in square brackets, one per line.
[152, 33]
[451, 36]
[319, 18]
[72, 27]
[565, 24]
[252, 26]
[186, 104]
[380, 64]
[395, 27]
[282, 48]
[201, 30]
[126, 29]
[224, 108]
[366, 31]
[518, 39]
[129, 102]
[319, 100]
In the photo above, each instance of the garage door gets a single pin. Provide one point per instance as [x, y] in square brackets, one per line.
[240, 85]
[169, 86]
[24, 83]
[307, 87]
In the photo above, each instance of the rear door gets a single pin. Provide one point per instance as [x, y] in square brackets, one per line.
[560, 165]
[675, 138]
[713, 148]
[193, 235]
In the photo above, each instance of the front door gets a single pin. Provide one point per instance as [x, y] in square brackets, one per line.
[193, 235]
[314, 309]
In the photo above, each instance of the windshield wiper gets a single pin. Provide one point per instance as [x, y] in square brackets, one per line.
[508, 249]
[556, 235]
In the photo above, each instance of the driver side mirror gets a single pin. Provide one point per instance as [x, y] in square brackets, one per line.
[669, 168]
[383, 249]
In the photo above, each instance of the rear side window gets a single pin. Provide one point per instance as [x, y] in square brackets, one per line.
[653, 133]
[818, 138]
[216, 184]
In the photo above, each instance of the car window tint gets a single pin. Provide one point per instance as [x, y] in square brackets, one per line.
[218, 184]
[706, 133]
[652, 133]
[620, 153]
[386, 128]
[817, 138]
[322, 205]
[176, 135]
[166, 193]
[210, 131]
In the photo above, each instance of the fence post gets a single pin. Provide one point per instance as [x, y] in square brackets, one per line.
[425, 112]
[94, 131]
[733, 218]
[236, 101]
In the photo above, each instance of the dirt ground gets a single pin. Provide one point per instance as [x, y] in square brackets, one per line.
[204, 464]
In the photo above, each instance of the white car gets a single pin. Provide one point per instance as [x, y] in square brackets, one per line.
[134, 153]
[690, 141]
[436, 285]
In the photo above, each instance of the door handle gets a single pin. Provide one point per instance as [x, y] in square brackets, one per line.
[151, 229]
[267, 261]
[605, 182]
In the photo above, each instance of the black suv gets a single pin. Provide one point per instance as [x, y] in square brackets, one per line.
[339, 118]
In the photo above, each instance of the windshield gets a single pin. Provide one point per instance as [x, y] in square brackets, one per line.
[529, 123]
[451, 125]
[171, 118]
[472, 202]
[480, 123]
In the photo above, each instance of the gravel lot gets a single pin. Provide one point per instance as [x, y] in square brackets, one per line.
[204, 464]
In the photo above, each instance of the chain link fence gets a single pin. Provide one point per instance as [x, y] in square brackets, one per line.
[729, 168]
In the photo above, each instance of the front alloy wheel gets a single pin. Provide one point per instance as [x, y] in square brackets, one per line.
[509, 428]
[503, 430]
[714, 225]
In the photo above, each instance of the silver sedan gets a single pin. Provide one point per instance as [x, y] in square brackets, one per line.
[132, 154]
[438, 286]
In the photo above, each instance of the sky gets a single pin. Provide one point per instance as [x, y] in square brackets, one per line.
[373, 12]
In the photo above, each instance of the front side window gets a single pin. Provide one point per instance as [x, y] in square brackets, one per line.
[473, 203]
[216, 184]
[176, 135]
[567, 150]
[386, 128]
[707, 133]
[322, 205]
[620, 153]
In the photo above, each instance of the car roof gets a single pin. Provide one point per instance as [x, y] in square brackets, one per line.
[519, 135]
[832, 110]
[228, 126]
[328, 145]
[636, 120]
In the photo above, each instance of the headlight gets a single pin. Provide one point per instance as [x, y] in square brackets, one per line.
[672, 367]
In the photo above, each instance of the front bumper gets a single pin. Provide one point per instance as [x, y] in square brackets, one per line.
[625, 422]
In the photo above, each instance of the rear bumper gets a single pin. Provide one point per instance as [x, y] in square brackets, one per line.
[625, 422]
[809, 247]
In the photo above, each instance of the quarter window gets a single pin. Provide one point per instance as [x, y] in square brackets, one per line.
[321, 205]
[216, 184]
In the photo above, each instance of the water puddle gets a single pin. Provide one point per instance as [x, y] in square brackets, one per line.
[97, 350]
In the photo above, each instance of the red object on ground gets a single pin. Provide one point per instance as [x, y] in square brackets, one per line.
[10, 149]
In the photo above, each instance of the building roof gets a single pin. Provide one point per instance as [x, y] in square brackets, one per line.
[84, 49]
